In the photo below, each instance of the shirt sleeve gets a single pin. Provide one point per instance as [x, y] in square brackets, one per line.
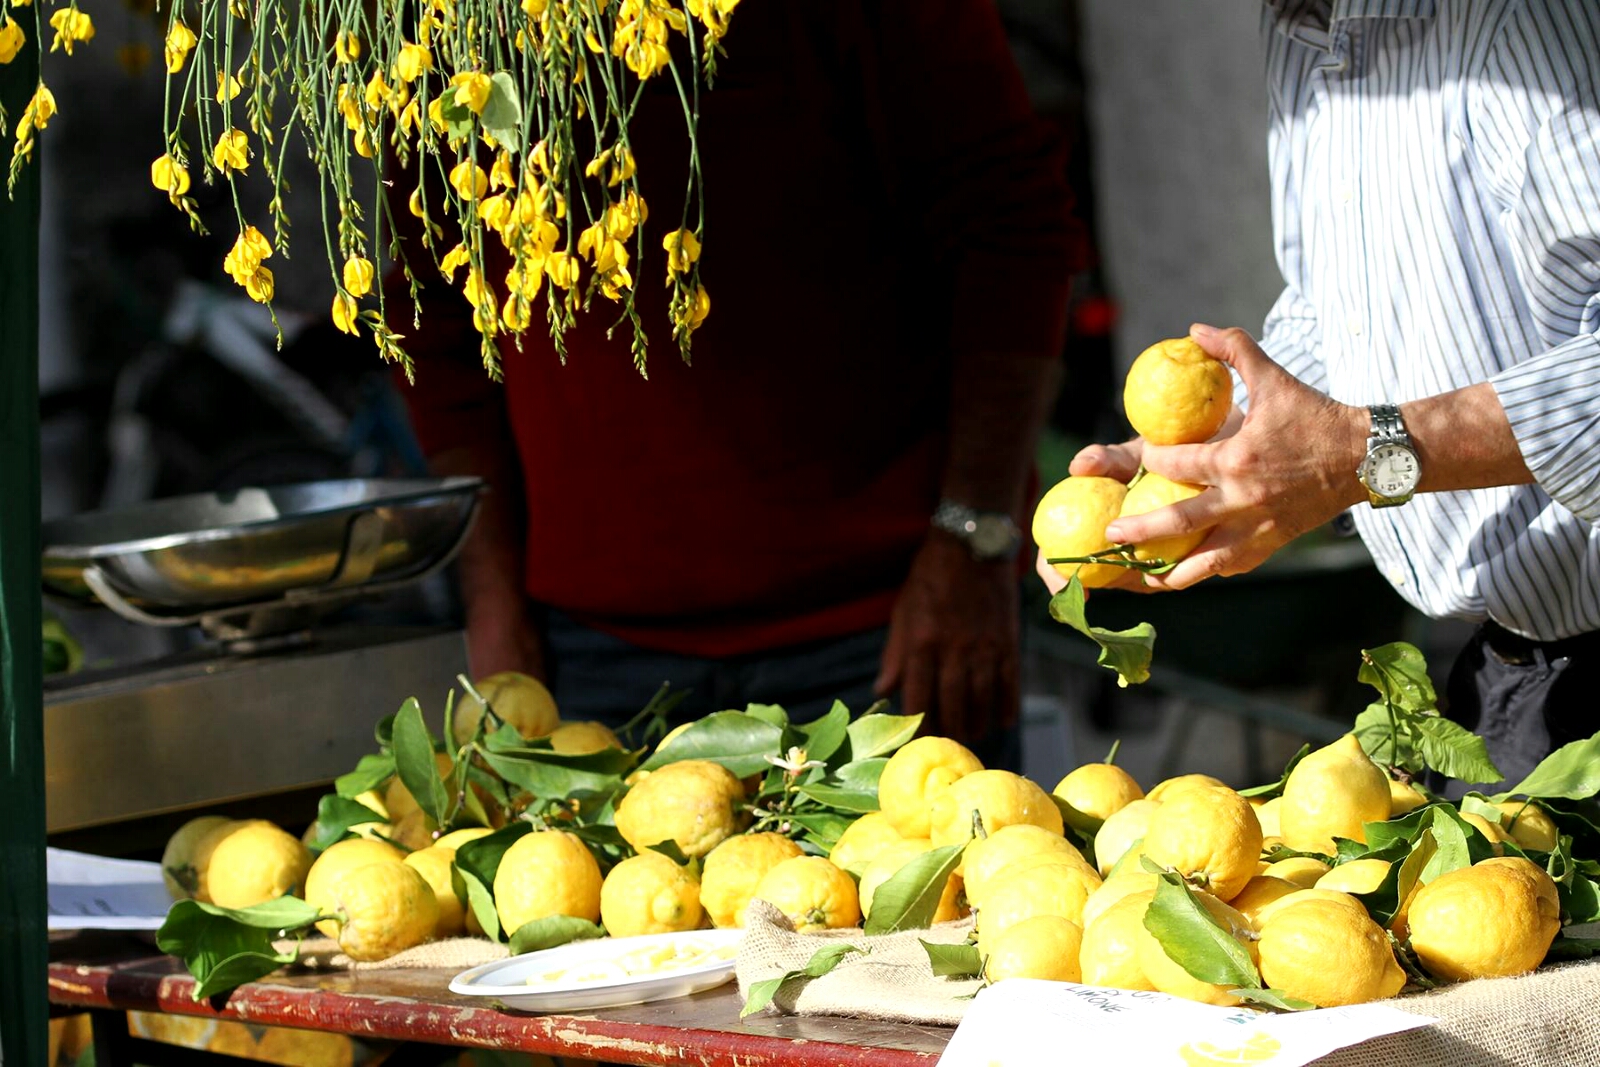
[1539, 119]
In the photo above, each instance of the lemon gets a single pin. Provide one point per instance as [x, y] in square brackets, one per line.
[583, 738]
[733, 869]
[1493, 919]
[1114, 889]
[457, 838]
[1109, 955]
[1208, 835]
[861, 841]
[649, 894]
[1171, 787]
[1045, 947]
[1356, 876]
[337, 858]
[1071, 520]
[1267, 816]
[1333, 792]
[414, 831]
[1118, 834]
[1258, 892]
[1095, 792]
[1336, 897]
[1048, 889]
[547, 872]
[812, 892]
[1257, 1048]
[1529, 825]
[1488, 829]
[1303, 871]
[888, 864]
[917, 772]
[519, 699]
[1168, 976]
[1000, 799]
[178, 868]
[694, 803]
[256, 862]
[436, 865]
[1328, 954]
[1151, 491]
[382, 908]
[1176, 394]
[1404, 798]
[397, 799]
[987, 856]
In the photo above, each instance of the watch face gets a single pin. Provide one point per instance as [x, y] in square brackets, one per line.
[1391, 470]
[993, 536]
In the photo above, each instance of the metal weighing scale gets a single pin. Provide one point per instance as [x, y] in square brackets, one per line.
[278, 698]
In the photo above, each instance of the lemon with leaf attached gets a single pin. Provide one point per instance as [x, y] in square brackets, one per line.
[1070, 522]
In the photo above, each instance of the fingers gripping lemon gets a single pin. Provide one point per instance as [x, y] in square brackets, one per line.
[1176, 394]
[1151, 491]
[1070, 521]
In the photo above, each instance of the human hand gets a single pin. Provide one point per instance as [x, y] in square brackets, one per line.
[953, 639]
[1289, 467]
[1108, 461]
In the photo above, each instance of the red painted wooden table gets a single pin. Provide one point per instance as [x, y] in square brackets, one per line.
[110, 974]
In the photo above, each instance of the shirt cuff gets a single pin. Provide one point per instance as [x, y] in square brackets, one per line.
[1553, 403]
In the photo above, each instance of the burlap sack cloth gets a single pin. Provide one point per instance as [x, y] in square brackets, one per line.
[459, 953]
[1550, 1018]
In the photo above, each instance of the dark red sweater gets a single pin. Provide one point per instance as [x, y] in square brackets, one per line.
[879, 197]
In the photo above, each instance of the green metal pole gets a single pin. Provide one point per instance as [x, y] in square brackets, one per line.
[24, 1005]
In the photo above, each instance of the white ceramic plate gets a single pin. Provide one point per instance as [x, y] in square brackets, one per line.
[586, 974]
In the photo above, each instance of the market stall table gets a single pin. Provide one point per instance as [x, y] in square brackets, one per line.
[110, 974]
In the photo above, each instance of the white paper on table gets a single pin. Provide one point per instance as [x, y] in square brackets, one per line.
[86, 892]
[1018, 1022]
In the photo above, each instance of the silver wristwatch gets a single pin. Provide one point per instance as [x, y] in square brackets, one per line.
[989, 535]
[1391, 470]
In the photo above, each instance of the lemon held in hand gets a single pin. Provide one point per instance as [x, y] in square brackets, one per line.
[1150, 491]
[1071, 521]
[1175, 394]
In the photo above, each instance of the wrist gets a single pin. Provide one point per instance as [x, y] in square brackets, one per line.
[988, 536]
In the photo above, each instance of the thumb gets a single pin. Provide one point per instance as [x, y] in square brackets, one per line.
[1237, 349]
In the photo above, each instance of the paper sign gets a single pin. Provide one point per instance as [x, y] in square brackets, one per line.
[85, 892]
[1011, 1023]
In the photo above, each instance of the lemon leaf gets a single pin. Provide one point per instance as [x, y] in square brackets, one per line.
[413, 762]
[1406, 878]
[1128, 652]
[336, 815]
[1572, 948]
[1580, 899]
[372, 770]
[877, 734]
[773, 713]
[823, 827]
[1571, 772]
[1194, 940]
[910, 896]
[953, 961]
[1450, 834]
[551, 931]
[1400, 674]
[860, 801]
[825, 736]
[860, 774]
[669, 848]
[822, 961]
[1453, 750]
[738, 741]
[550, 779]
[226, 947]
[1271, 998]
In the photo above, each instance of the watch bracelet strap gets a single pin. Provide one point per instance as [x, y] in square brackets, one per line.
[1387, 425]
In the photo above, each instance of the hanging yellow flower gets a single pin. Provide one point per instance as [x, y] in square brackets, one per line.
[232, 152]
[415, 205]
[347, 47]
[11, 40]
[344, 313]
[71, 26]
[455, 258]
[37, 112]
[414, 59]
[469, 180]
[472, 90]
[682, 248]
[562, 268]
[358, 275]
[259, 286]
[246, 255]
[170, 176]
[180, 42]
[227, 87]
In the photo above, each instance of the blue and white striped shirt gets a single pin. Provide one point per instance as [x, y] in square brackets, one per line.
[1436, 208]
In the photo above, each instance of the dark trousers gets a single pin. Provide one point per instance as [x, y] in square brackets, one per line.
[1525, 698]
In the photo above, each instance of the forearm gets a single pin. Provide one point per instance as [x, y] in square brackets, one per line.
[1464, 441]
[998, 405]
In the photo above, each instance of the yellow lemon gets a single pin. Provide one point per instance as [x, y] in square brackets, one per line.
[256, 862]
[583, 738]
[1171, 787]
[1071, 521]
[382, 908]
[456, 838]
[1267, 816]
[733, 869]
[436, 864]
[1356, 876]
[812, 892]
[178, 868]
[547, 872]
[1529, 825]
[987, 856]
[695, 803]
[1050, 889]
[1210, 836]
[649, 894]
[1176, 394]
[1095, 792]
[1258, 892]
[1169, 977]
[346, 855]
[1494, 919]
[1404, 798]
[1336, 897]
[1149, 492]
[1114, 889]
[861, 841]
[1333, 792]
[888, 864]
[1257, 1048]
[1045, 947]
[1488, 829]
[519, 699]
[1328, 954]
[1303, 871]
[999, 799]
[415, 831]
[918, 771]
[1113, 840]
[1110, 952]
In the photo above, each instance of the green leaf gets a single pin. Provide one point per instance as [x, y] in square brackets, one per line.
[372, 770]
[860, 801]
[234, 971]
[822, 961]
[1572, 948]
[1476, 803]
[1450, 834]
[224, 947]
[1375, 731]
[953, 961]
[480, 898]
[861, 774]
[1128, 652]
[550, 931]
[738, 741]
[1272, 789]
[1407, 877]
[1580, 899]
[1400, 673]
[336, 815]
[910, 896]
[1194, 940]
[549, 779]
[1453, 750]
[383, 733]
[1381, 835]
[773, 713]
[1271, 998]
[502, 113]
[824, 826]
[669, 848]
[880, 735]
[825, 736]
[479, 861]
[413, 761]
[1571, 772]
